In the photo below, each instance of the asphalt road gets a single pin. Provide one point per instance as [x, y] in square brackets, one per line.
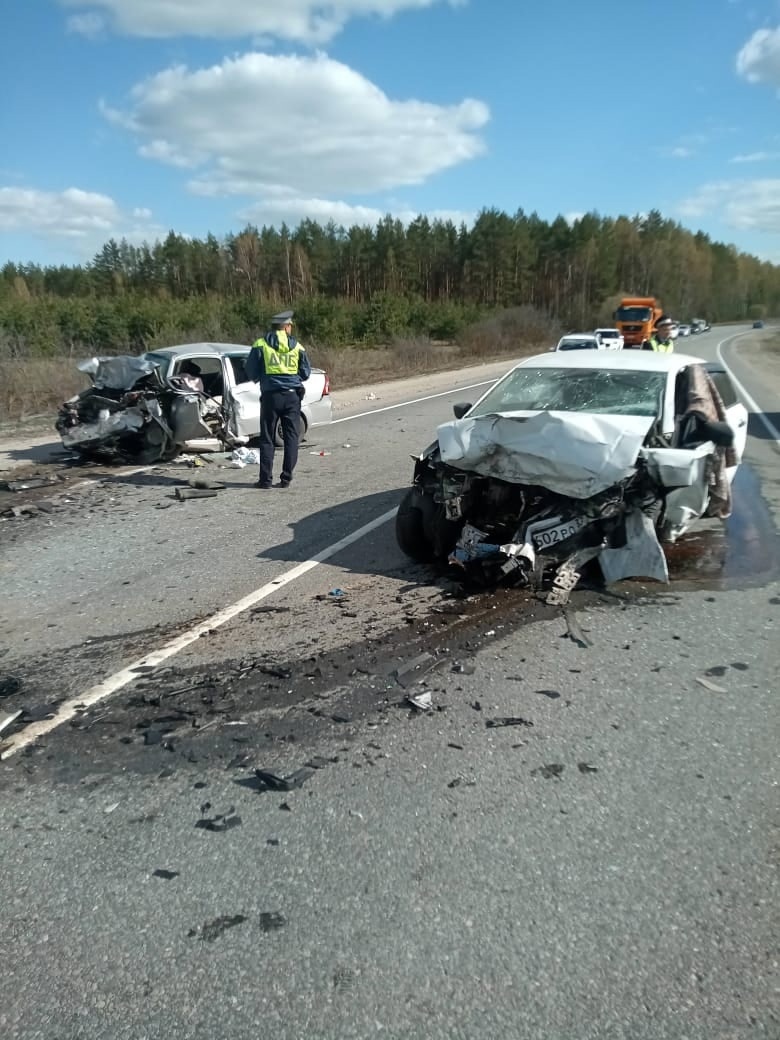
[604, 869]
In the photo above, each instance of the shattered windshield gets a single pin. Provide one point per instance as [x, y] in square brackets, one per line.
[163, 360]
[602, 391]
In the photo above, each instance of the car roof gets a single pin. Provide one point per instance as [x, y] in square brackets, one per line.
[200, 348]
[608, 328]
[577, 335]
[641, 360]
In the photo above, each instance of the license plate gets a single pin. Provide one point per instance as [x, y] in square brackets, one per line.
[559, 533]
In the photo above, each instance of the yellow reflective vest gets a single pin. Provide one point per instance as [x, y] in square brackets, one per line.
[660, 347]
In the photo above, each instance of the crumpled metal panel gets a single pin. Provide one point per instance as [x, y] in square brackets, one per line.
[570, 453]
[117, 373]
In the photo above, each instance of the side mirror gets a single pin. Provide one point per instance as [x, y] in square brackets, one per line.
[461, 409]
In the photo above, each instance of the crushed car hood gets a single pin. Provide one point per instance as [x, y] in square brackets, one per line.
[577, 454]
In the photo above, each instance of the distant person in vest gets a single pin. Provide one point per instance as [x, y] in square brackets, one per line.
[661, 341]
[279, 364]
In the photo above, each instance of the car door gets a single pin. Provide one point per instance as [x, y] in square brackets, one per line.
[736, 413]
[197, 417]
[244, 394]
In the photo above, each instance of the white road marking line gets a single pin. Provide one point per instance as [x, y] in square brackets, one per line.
[416, 400]
[70, 708]
[757, 410]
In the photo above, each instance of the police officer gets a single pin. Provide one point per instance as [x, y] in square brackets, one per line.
[280, 365]
[661, 341]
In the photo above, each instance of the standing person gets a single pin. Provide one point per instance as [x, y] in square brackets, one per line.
[661, 341]
[280, 365]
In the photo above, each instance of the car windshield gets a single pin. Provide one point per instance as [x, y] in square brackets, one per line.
[578, 344]
[163, 360]
[607, 333]
[609, 391]
[634, 314]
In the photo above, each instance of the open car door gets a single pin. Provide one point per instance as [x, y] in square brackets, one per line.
[736, 413]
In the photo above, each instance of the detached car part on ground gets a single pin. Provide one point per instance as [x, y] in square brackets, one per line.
[147, 409]
[570, 459]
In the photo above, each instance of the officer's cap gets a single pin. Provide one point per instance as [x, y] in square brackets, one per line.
[664, 321]
[285, 318]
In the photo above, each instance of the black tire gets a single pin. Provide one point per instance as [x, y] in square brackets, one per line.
[279, 440]
[410, 528]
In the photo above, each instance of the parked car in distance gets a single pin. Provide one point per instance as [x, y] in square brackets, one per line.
[596, 456]
[685, 330]
[674, 331]
[611, 339]
[580, 341]
[758, 324]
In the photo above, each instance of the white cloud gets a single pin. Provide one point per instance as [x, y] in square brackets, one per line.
[85, 217]
[681, 152]
[742, 205]
[572, 218]
[292, 210]
[260, 125]
[305, 21]
[759, 59]
[90, 24]
[751, 157]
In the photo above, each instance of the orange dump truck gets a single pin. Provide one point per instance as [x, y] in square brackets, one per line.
[636, 317]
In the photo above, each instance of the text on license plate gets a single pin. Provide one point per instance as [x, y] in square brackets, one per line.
[554, 535]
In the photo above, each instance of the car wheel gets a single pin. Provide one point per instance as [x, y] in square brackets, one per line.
[279, 439]
[410, 527]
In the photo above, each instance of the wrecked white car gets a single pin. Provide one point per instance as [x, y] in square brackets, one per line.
[571, 458]
[194, 397]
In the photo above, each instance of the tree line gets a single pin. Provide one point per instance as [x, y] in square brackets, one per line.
[365, 285]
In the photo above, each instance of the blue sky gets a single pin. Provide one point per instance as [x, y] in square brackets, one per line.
[133, 117]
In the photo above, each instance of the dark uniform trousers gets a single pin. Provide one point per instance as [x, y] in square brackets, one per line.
[284, 406]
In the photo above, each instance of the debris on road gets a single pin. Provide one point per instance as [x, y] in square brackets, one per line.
[245, 457]
[9, 720]
[585, 768]
[219, 823]
[213, 929]
[166, 875]
[27, 485]
[184, 493]
[463, 781]
[708, 685]
[271, 781]
[552, 694]
[421, 701]
[463, 667]
[510, 720]
[553, 771]
[409, 673]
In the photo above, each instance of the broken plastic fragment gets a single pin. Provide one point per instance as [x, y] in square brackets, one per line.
[166, 875]
[709, 685]
[510, 720]
[552, 771]
[421, 701]
[271, 781]
[221, 822]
